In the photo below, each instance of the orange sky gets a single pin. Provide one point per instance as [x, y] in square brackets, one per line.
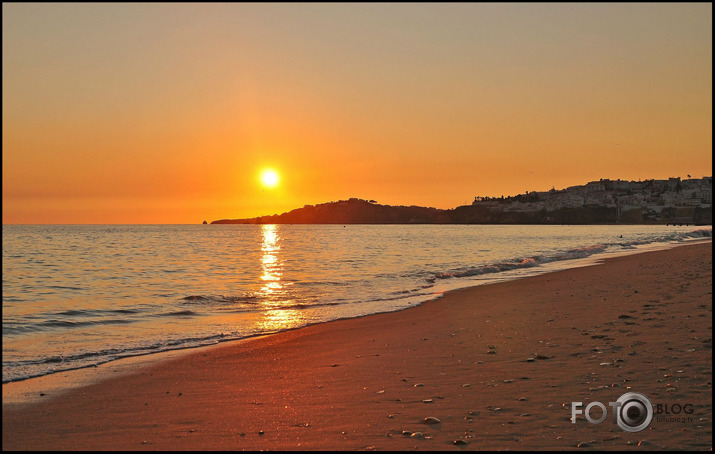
[166, 113]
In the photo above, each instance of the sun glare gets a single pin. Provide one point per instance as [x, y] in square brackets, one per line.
[269, 178]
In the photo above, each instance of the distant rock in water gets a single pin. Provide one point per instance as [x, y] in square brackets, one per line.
[205, 222]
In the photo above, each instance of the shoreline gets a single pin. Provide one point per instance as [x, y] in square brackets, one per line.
[86, 374]
[333, 349]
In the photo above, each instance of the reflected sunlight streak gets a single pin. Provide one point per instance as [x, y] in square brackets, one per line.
[274, 292]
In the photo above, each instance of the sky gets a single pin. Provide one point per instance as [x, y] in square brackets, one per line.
[164, 113]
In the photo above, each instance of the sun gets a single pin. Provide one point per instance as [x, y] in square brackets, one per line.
[270, 178]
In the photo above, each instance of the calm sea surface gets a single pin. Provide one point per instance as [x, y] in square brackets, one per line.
[74, 296]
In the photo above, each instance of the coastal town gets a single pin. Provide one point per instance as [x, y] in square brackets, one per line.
[632, 200]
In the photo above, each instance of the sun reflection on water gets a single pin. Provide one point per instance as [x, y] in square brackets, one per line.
[280, 312]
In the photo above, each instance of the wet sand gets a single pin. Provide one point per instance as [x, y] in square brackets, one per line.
[498, 365]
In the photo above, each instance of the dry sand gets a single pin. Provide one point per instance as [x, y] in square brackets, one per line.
[641, 323]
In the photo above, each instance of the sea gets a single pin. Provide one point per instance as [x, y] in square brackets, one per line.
[77, 296]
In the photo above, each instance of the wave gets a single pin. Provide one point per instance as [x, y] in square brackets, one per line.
[218, 299]
[177, 314]
[10, 328]
[94, 312]
[81, 360]
[570, 254]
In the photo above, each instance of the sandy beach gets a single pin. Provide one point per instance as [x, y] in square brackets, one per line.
[497, 365]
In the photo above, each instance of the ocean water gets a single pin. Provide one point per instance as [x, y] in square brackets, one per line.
[81, 295]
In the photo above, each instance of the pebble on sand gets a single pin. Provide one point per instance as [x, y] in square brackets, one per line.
[460, 442]
[431, 420]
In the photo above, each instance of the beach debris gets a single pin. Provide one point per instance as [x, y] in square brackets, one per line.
[417, 435]
[417, 385]
[460, 443]
[427, 401]
[431, 420]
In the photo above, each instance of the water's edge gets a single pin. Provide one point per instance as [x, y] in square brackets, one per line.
[547, 268]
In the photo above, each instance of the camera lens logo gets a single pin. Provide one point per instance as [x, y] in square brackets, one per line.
[634, 412]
